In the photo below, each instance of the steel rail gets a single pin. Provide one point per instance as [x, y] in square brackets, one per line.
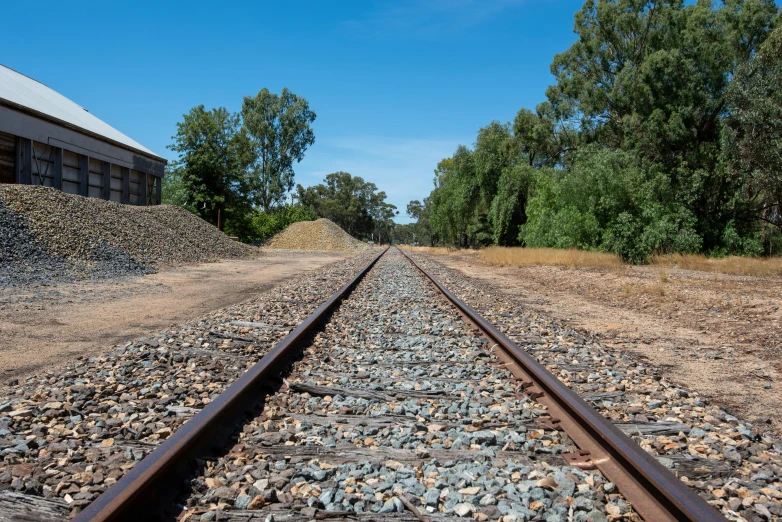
[654, 492]
[150, 487]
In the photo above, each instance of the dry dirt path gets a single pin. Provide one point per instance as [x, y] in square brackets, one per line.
[716, 334]
[50, 325]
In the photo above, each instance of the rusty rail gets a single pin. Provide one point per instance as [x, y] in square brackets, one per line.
[151, 486]
[655, 493]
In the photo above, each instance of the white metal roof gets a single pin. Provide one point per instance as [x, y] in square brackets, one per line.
[23, 90]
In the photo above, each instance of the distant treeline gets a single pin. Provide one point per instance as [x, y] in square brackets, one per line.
[662, 133]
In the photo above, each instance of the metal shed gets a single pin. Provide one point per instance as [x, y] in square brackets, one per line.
[46, 139]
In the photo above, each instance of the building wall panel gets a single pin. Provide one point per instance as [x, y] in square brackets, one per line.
[69, 186]
[70, 174]
[64, 168]
[71, 163]
[96, 178]
[116, 183]
[42, 166]
[7, 158]
[135, 187]
[71, 159]
[31, 127]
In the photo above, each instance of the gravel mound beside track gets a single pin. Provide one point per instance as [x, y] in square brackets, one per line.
[46, 234]
[322, 234]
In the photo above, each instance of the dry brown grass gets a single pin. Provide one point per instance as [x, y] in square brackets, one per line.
[518, 256]
[735, 265]
[439, 251]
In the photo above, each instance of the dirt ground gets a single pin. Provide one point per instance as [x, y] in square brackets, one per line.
[715, 334]
[50, 325]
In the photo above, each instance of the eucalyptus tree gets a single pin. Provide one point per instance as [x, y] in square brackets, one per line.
[279, 131]
[422, 228]
[753, 135]
[650, 76]
[352, 203]
[211, 169]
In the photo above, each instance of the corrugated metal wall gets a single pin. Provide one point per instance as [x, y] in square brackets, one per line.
[95, 180]
[42, 168]
[30, 162]
[7, 158]
[71, 171]
[116, 184]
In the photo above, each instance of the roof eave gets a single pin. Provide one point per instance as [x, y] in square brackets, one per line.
[81, 130]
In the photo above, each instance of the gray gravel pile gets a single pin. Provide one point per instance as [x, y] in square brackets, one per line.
[733, 464]
[46, 234]
[398, 406]
[69, 434]
[21, 257]
[322, 234]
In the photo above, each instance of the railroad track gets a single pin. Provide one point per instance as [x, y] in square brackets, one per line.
[395, 400]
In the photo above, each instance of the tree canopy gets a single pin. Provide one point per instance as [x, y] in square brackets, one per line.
[753, 135]
[352, 203]
[660, 133]
[212, 166]
[241, 164]
[279, 132]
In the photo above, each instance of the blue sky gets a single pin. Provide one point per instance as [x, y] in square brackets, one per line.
[396, 85]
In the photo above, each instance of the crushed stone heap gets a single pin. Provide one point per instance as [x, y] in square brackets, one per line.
[48, 235]
[322, 234]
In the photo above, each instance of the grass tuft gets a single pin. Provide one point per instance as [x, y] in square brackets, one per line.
[572, 258]
[630, 290]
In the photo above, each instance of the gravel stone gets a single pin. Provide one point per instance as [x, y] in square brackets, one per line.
[77, 430]
[732, 464]
[398, 396]
[48, 235]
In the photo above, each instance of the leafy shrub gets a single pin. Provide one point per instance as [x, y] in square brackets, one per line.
[265, 224]
[605, 202]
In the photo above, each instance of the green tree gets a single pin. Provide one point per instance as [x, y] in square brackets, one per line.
[279, 131]
[605, 202]
[352, 203]
[173, 190]
[630, 153]
[212, 163]
[507, 212]
[422, 228]
[404, 234]
[455, 199]
[383, 220]
[542, 138]
[650, 76]
[266, 224]
[753, 135]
